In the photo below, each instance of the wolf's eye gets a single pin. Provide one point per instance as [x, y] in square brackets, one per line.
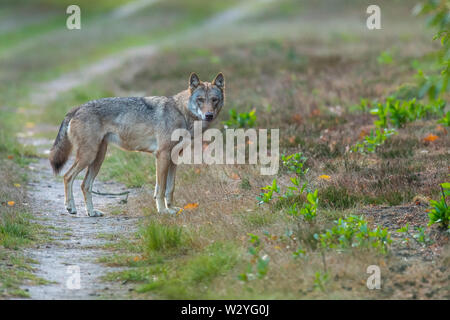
[214, 100]
[200, 100]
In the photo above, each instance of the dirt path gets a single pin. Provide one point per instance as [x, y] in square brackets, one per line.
[74, 239]
[47, 92]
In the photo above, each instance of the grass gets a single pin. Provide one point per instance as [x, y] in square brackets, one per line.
[304, 84]
[160, 237]
[186, 278]
[17, 230]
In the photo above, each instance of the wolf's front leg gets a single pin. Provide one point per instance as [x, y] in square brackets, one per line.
[162, 170]
[170, 187]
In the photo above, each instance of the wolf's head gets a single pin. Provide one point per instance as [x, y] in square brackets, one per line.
[206, 99]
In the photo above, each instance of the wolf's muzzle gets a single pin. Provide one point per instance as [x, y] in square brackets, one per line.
[209, 116]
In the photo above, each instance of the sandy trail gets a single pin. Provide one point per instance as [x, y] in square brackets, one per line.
[75, 242]
[49, 91]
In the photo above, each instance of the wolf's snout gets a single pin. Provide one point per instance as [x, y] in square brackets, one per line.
[209, 116]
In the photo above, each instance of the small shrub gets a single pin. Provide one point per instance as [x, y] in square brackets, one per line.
[295, 163]
[445, 120]
[259, 265]
[354, 232]
[241, 120]
[439, 210]
[309, 209]
[267, 196]
[385, 57]
[373, 141]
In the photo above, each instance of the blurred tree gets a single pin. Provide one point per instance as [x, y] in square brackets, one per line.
[434, 86]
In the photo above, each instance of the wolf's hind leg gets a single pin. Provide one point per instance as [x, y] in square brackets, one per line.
[162, 168]
[88, 181]
[69, 178]
[170, 187]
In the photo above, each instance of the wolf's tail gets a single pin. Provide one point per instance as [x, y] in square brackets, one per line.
[62, 147]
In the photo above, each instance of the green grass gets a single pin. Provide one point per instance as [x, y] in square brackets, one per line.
[160, 237]
[14, 271]
[187, 278]
[10, 123]
[134, 169]
[16, 230]
[190, 279]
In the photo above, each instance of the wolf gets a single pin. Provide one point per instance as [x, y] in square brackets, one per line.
[134, 124]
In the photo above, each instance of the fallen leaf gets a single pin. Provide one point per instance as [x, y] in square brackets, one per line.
[17, 185]
[297, 118]
[315, 113]
[191, 206]
[10, 157]
[11, 203]
[324, 177]
[234, 176]
[137, 258]
[431, 137]
[292, 140]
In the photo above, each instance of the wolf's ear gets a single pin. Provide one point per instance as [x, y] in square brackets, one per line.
[219, 81]
[194, 81]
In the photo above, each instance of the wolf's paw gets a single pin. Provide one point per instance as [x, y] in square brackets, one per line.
[96, 213]
[71, 210]
[171, 210]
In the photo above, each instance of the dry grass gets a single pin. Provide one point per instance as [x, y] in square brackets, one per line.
[314, 93]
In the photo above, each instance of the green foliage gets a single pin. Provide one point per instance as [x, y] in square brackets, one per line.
[363, 105]
[399, 112]
[385, 57]
[354, 232]
[266, 197]
[382, 112]
[241, 120]
[259, 265]
[438, 11]
[420, 236]
[320, 280]
[309, 208]
[373, 141]
[295, 163]
[439, 210]
[299, 253]
[445, 120]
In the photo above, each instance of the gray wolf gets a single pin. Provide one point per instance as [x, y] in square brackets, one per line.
[134, 124]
